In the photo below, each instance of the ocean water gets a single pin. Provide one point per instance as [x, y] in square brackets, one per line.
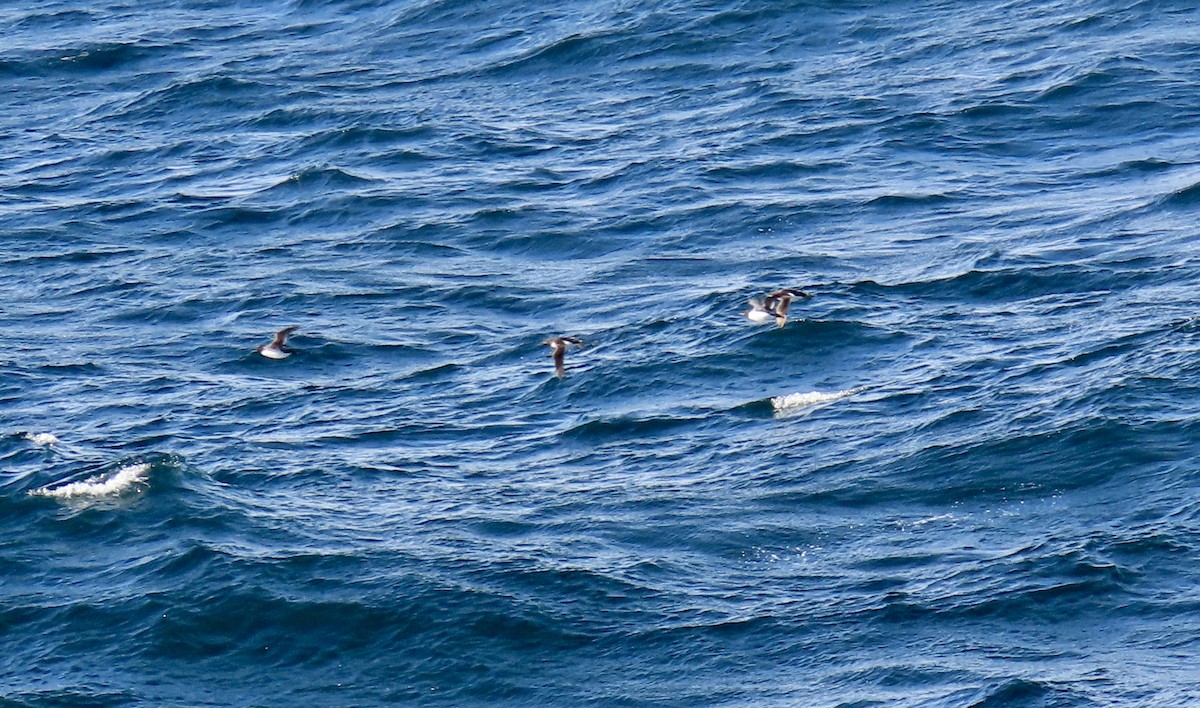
[965, 473]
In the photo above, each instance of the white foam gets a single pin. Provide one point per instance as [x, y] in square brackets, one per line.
[100, 485]
[933, 519]
[42, 438]
[796, 401]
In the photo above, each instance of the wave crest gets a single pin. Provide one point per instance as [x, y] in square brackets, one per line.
[43, 439]
[792, 402]
[102, 485]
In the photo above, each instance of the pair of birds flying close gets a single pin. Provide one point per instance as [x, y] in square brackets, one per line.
[773, 307]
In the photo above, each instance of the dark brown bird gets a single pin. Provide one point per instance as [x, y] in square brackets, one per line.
[558, 350]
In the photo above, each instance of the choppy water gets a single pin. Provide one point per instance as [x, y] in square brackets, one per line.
[965, 473]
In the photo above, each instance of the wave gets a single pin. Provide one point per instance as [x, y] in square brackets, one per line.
[43, 439]
[321, 178]
[794, 402]
[1131, 167]
[773, 169]
[352, 136]
[628, 427]
[1008, 283]
[1017, 691]
[88, 58]
[573, 50]
[1187, 196]
[192, 93]
[899, 201]
[125, 479]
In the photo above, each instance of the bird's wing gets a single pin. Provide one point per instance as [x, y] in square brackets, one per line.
[282, 335]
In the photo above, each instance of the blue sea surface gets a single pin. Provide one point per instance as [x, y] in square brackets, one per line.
[965, 473]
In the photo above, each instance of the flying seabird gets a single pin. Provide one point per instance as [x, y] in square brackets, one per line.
[774, 307]
[558, 349]
[278, 348]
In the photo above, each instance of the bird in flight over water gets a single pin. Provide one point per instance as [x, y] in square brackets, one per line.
[278, 348]
[775, 306]
[558, 350]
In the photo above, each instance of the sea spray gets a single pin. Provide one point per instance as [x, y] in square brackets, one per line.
[794, 402]
[103, 485]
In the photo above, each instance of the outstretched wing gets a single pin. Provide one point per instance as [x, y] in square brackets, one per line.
[781, 308]
[282, 335]
[779, 301]
[789, 292]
